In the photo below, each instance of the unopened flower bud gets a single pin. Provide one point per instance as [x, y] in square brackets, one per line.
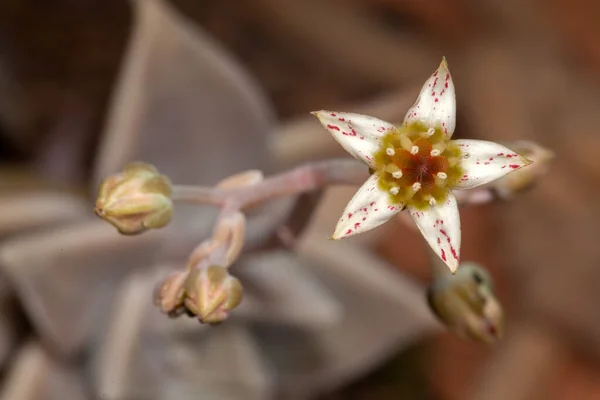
[169, 295]
[466, 304]
[524, 178]
[212, 293]
[135, 200]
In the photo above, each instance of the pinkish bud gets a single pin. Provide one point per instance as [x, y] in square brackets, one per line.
[216, 293]
[169, 295]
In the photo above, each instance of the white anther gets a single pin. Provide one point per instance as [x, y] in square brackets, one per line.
[430, 132]
[442, 175]
[397, 174]
[435, 153]
[394, 190]
[432, 201]
[390, 151]
[416, 186]
[414, 150]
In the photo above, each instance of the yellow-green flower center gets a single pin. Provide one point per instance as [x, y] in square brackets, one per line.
[418, 165]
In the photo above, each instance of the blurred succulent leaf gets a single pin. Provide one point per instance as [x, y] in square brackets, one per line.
[65, 276]
[183, 104]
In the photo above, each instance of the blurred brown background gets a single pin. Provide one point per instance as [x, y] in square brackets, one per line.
[523, 70]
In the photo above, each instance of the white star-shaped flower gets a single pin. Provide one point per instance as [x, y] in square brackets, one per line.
[416, 166]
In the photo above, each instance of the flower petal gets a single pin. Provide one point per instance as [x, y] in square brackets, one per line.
[440, 225]
[436, 104]
[358, 134]
[483, 162]
[369, 208]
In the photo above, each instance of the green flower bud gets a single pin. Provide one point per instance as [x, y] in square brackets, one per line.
[212, 293]
[135, 200]
[466, 304]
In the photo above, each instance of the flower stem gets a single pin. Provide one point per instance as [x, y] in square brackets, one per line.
[299, 180]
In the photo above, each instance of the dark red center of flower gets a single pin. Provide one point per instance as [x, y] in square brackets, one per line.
[421, 167]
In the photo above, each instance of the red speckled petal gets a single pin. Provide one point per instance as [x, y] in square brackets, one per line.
[369, 208]
[483, 162]
[358, 134]
[436, 104]
[440, 225]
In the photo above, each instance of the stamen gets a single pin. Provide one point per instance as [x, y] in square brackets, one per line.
[391, 168]
[441, 146]
[414, 150]
[397, 174]
[435, 153]
[442, 175]
[416, 186]
[390, 151]
[432, 201]
[452, 161]
[394, 190]
[405, 142]
[430, 132]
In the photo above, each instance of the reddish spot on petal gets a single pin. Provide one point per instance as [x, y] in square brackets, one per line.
[453, 252]
[447, 76]
[436, 99]
[356, 225]
[433, 93]
[349, 231]
[446, 85]
[342, 119]
[336, 128]
[364, 218]
[349, 215]
[514, 166]
[500, 154]
[443, 255]
[372, 203]
[333, 114]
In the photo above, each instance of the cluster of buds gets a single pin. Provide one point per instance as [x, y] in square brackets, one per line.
[208, 293]
[139, 198]
[135, 200]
